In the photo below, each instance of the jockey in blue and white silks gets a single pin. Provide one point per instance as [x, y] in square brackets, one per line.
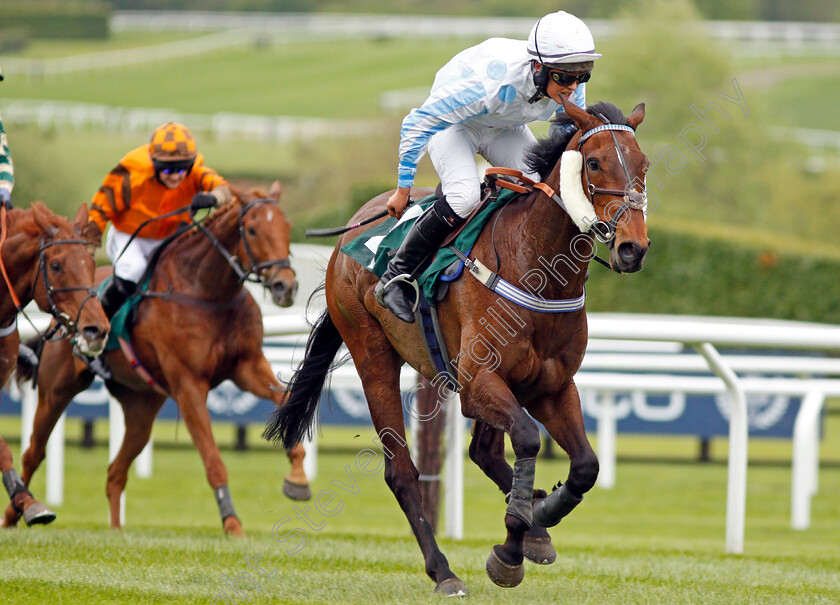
[480, 103]
[483, 94]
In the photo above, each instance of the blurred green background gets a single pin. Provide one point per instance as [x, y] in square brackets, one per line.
[748, 231]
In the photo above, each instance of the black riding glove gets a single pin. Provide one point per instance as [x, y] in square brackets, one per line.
[203, 200]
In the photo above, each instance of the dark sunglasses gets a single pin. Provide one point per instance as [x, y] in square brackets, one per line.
[178, 171]
[566, 79]
[178, 168]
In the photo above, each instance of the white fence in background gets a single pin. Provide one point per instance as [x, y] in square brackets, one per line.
[223, 126]
[240, 29]
[627, 353]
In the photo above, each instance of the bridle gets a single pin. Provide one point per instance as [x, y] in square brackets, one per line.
[64, 325]
[63, 320]
[632, 200]
[255, 267]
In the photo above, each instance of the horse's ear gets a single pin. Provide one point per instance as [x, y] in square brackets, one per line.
[44, 219]
[582, 120]
[81, 218]
[276, 190]
[635, 118]
[236, 192]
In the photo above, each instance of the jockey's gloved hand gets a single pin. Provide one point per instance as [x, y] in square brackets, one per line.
[203, 200]
[6, 199]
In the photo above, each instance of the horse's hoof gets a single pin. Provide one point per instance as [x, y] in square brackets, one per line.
[451, 587]
[539, 550]
[296, 491]
[502, 574]
[233, 527]
[38, 514]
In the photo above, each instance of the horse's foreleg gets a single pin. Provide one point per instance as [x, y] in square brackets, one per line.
[139, 411]
[21, 499]
[255, 375]
[489, 398]
[56, 389]
[191, 396]
[563, 419]
[487, 450]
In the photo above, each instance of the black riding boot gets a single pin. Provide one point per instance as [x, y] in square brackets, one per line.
[113, 297]
[413, 257]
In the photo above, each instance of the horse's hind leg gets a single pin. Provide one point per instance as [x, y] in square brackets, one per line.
[254, 374]
[488, 397]
[487, 450]
[380, 379]
[563, 419]
[139, 410]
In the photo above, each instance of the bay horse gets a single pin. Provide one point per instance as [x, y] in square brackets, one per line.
[48, 259]
[513, 364]
[196, 326]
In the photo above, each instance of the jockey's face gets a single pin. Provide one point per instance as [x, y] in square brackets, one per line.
[554, 90]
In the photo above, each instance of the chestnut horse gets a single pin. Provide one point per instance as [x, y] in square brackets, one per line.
[196, 326]
[48, 259]
[513, 364]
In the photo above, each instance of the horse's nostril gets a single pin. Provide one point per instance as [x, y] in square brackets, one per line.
[629, 251]
[91, 332]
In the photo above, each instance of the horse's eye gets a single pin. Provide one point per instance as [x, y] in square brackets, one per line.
[252, 232]
[592, 164]
[55, 266]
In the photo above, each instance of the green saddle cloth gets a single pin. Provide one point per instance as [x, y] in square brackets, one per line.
[120, 322]
[371, 249]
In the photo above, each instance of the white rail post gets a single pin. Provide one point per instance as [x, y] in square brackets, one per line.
[606, 441]
[55, 464]
[310, 460]
[454, 469]
[116, 433]
[143, 462]
[805, 465]
[28, 404]
[736, 501]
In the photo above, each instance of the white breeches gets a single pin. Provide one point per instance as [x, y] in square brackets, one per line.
[135, 259]
[453, 151]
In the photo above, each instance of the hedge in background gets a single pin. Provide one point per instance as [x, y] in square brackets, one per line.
[694, 276]
[58, 19]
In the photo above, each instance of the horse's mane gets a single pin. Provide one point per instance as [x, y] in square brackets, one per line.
[543, 156]
[238, 201]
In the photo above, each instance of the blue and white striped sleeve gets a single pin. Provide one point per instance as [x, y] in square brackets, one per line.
[7, 172]
[446, 106]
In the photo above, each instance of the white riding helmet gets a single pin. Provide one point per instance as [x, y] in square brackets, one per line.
[561, 38]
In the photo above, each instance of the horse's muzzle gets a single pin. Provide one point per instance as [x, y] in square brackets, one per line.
[629, 256]
[282, 293]
[92, 340]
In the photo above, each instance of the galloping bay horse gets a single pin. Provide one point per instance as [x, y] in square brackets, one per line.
[513, 364]
[196, 326]
[48, 259]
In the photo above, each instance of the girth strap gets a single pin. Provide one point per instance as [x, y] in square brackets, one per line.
[507, 290]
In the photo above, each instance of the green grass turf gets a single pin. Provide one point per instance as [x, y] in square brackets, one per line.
[658, 537]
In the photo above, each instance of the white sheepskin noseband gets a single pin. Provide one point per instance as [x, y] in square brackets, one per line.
[571, 190]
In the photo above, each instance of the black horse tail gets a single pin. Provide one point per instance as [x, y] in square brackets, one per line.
[294, 419]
